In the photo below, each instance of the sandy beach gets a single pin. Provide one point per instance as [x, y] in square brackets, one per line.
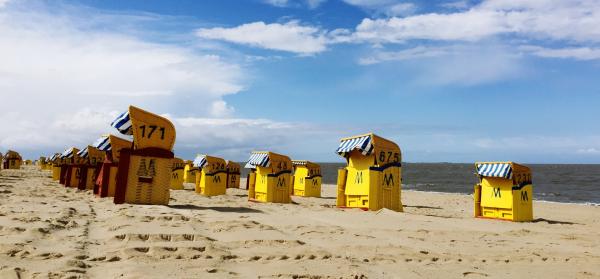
[48, 231]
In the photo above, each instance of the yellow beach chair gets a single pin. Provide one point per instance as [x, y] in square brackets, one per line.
[177, 174]
[12, 160]
[144, 175]
[55, 163]
[189, 172]
[372, 179]
[106, 181]
[505, 191]
[307, 179]
[270, 177]
[68, 159]
[91, 162]
[233, 174]
[41, 162]
[211, 179]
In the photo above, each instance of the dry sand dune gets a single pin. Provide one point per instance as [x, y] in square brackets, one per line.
[47, 231]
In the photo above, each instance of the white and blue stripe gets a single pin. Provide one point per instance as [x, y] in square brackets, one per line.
[503, 170]
[123, 124]
[258, 160]
[83, 153]
[102, 144]
[200, 161]
[362, 144]
[67, 154]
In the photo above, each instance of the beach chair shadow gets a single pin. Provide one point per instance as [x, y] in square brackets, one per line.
[423, 207]
[217, 208]
[553, 222]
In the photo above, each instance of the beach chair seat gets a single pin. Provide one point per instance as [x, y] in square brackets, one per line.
[372, 178]
[233, 174]
[106, 181]
[144, 172]
[307, 179]
[211, 179]
[12, 160]
[177, 174]
[189, 172]
[270, 177]
[504, 191]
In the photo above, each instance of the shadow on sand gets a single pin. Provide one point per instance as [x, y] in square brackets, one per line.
[552, 222]
[217, 208]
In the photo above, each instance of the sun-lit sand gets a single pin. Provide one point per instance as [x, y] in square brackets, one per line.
[47, 230]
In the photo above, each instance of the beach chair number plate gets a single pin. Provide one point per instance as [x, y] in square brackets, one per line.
[390, 156]
[151, 129]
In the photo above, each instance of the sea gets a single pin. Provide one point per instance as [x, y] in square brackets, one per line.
[551, 182]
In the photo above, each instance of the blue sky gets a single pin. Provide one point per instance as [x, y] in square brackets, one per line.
[449, 81]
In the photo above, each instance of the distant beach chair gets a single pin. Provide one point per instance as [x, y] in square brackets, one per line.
[41, 162]
[106, 181]
[92, 158]
[68, 159]
[74, 169]
[55, 163]
[144, 175]
[233, 174]
[189, 172]
[504, 191]
[177, 174]
[307, 179]
[211, 179]
[372, 179]
[270, 178]
[12, 160]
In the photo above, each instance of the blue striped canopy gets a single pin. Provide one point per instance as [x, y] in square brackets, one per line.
[258, 160]
[123, 124]
[102, 143]
[362, 144]
[83, 153]
[53, 157]
[200, 161]
[503, 170]
[67, 153]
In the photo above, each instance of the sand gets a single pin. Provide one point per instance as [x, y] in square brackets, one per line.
[48, 231]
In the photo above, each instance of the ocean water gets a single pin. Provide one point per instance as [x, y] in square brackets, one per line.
[551, 182]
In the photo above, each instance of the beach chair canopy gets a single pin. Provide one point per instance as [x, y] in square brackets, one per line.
[308, 164]
[103, 143]
[148, 129]
[83, 153]
[123, 124]
[364, 144]
[499, 169]
[258, 159]
[68, 154]
[10, 154]
[367, 144]
[199, 161]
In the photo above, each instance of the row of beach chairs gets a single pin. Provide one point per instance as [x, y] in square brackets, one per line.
[144, 169]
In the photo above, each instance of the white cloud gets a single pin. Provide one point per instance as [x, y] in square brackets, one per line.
[554, 20]
[277, 3]
[220, 108]
[290, 36]
[461, 64]
[3, 3]
[385, 7]
[314, 3]
[589, 151]
[65, 74]
[405, 54]
[578, 53]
